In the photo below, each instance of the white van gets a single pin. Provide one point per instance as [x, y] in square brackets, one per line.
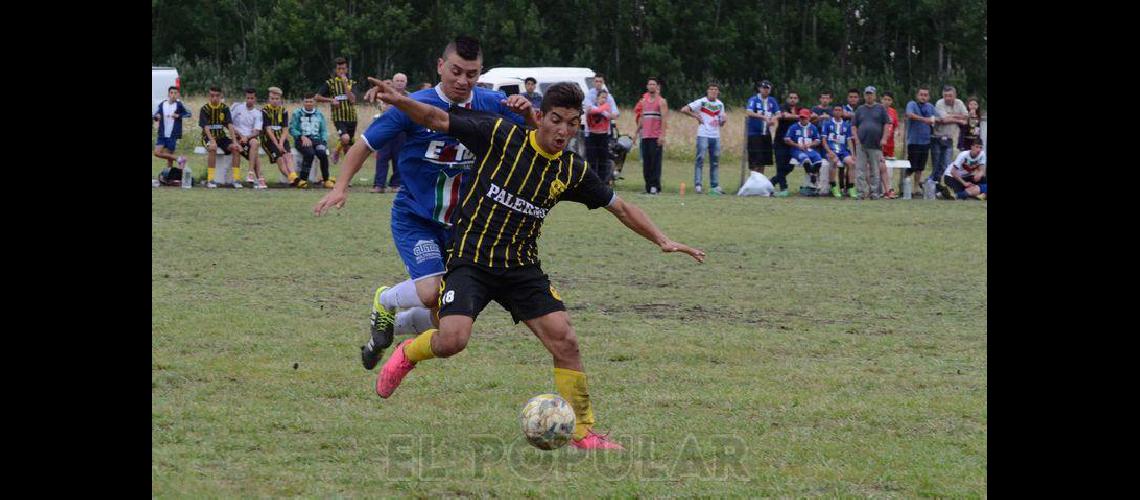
[161, 79]
[511, 80]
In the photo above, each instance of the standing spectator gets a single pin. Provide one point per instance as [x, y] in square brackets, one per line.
[761, 110]
[534, 97]
[852, 104]
[169, 115]
[972, 131]
[709, 112]
[337, 91]
[215, 121]
[389, 153]
[867, 127]
[275, 120]
[837, 136]
[920, 118]
[310, 134]
[952, 114]
[821, 113]
[597, 143]
[965, 177]
[788, 116]
[651, 115]
[803, 137]
[889, 149]
[248, 125]
[591, 100]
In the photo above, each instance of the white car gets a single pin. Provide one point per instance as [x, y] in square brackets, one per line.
[161, 79]
[511, 80]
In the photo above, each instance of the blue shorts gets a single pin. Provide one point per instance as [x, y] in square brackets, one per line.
[843, 154]
[167, 142]
[422, 244]
[799, 156]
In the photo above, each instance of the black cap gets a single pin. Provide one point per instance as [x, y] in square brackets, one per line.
[764, 83]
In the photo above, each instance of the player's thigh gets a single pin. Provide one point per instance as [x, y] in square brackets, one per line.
[555, 332]
[428, 289]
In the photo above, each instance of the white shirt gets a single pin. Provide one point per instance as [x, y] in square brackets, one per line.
[965, 164]
[168, 111]
[247, 122]
[710, 113]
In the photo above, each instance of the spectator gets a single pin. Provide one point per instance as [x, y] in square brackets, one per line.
[965, 177]
[169, 115]
[761, 110]
[337, 91]
[652, 115]
[248, 125]
[837, 137]
[952, 113]
[215, 121]
[591, 98]
[852, 105]
[310, 134]
[710, 118]
[788, 116]
[597, 143]
[803, 138]
[821, 113]
[389, 154]
[889, 149]
[534, 97]
[867, 127]
[920, 116]
[275, 120]
[972, 131]
[426, 85]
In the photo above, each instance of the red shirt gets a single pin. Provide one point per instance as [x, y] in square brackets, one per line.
[889, 150]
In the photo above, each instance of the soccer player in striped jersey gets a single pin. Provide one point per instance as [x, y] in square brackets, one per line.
[337, 91]
[215, 120]
[433, 168]
[521, 176]
[274, 135]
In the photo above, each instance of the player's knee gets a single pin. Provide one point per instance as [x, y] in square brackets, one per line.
[564, 342]
[212, 149]
[450, 342]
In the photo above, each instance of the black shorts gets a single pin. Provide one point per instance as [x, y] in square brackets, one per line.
[271, 148]
[223, 144]
[245, 149]
[525, 291]
[759, 150]
[956, 185]
[917, 155]
[346, 128]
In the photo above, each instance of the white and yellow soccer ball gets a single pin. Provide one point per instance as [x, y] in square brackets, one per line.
[547, 421]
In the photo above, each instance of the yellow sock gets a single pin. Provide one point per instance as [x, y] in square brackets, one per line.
[210, 174]
[420, 348]
[292, 176]
[237, 174]
[571, 384]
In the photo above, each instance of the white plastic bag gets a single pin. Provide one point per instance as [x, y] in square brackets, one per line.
[756, 185]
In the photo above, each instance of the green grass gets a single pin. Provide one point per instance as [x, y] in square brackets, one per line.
[827, 347]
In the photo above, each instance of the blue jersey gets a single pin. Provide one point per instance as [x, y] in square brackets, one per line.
[800, 134]
[836, 135]
[431, 163]
[766, 107]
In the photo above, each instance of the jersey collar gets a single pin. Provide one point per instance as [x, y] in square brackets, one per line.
[533, 137]
[443, 97]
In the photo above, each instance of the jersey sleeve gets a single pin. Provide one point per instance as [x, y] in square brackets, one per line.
[473, 128]
[695, 105]
[202, 117]
[590, 191]
[227, 117]
[324, 90]
[385, 127]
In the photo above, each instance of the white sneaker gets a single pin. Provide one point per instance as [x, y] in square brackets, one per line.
[698, 188]
[237, 185]
[718, 190]
[154, 183]
[653, 190]
[249, 178]
[211, 185]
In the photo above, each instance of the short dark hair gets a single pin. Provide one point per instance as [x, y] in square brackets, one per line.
[562, 95]
[826, 93]
[250, 90]
[599, 75]
[852, 91]
[653, 79]
[888, 93]
[340, 60]
[310, 95]
[973, 98]
[172, 88]
[923, 87]
[790, 92]
[214, 88]
[713, 84]
[467, 47]
[530, 79]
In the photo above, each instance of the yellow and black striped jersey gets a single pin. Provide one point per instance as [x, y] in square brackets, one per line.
[515, 186]
[275, 118]
[216, 118]
[337, 88]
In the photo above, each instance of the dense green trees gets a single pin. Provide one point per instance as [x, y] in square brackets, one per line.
[808, 45]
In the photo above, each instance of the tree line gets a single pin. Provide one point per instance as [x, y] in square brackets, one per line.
[805, 45]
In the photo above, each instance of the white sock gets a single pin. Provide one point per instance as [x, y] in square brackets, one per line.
[403, 295]
[413, 321]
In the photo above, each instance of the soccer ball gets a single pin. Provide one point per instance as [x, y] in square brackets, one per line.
[547, 421]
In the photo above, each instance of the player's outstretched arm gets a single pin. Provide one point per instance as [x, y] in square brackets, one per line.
[423, 114]
[634, 218]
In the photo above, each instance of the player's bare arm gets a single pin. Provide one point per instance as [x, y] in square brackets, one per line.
[634, 218]
[420, 113]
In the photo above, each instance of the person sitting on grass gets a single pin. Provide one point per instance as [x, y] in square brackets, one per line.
[965, 177]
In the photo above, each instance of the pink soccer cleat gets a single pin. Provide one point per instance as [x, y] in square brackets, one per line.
[595, 441]
[394, 370]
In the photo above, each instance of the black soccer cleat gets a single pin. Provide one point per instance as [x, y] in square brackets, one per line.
[381, 323]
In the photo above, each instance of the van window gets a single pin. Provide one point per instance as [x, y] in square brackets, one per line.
[485, 85]
[510, 89]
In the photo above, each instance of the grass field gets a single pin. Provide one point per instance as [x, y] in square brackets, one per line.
[826, 347]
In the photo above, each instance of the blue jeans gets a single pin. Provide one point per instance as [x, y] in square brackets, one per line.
[390, 153]
[712, 146]
[940, 152]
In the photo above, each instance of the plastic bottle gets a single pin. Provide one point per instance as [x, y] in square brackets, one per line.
[928, 189]
[187, 178]
[908, 188]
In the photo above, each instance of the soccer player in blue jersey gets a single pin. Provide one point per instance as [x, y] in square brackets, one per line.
[433, 168]
[837, 134]
[803, 138]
